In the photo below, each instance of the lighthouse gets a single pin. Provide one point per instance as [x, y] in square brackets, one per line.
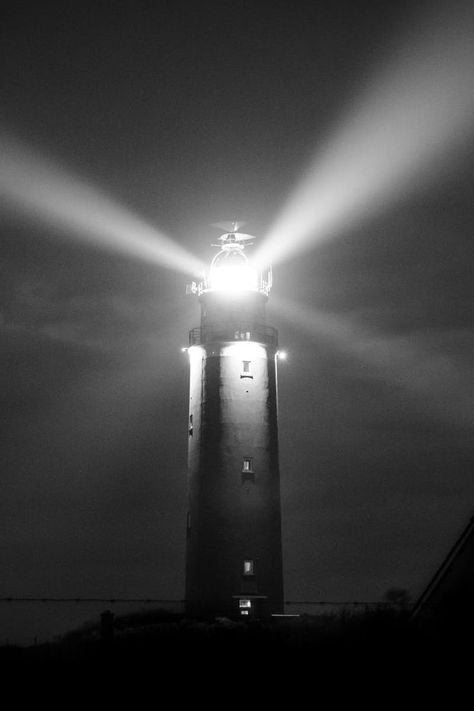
[233, 532]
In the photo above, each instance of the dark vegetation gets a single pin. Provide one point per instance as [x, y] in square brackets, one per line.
[383, 644]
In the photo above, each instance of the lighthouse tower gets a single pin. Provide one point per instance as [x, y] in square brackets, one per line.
[234, 552]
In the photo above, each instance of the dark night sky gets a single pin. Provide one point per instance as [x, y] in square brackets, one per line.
[190, 113]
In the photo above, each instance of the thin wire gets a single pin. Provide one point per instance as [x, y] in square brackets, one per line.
[87, 599]
[161, 600]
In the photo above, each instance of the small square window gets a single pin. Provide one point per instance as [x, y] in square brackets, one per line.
[247, 464]
[246, 371]
[248, 567]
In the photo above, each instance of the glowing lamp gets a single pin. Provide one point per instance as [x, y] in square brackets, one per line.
[233, 277]
[231, 272]
[230, 269]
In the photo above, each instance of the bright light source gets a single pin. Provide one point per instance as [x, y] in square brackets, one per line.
[231, 272]
[282, 355]
[232, 278]
[184, 350]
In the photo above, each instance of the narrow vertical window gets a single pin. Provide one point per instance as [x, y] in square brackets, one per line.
[247, 464]
[190, 425]
[248, 567]
[246, 371]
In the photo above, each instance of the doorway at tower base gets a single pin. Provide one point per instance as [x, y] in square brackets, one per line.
[253, 607]
[243, 606]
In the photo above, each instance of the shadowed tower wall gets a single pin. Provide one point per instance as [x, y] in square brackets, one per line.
[234, 552]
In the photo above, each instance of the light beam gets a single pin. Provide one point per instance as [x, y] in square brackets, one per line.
[57, 197]
[412, 117]
[436, 383]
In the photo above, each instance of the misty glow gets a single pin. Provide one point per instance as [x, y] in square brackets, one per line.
[437, 383]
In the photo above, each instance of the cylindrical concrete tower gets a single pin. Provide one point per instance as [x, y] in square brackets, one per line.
[234, 552]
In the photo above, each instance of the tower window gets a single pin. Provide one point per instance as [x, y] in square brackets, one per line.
[247, 464]
[249, 567]
[242, 335]
[246, 369]
[190, 424]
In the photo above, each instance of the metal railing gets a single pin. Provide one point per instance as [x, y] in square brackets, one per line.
[244, 331]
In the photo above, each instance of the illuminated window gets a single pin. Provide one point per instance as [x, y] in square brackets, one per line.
[248, 567]
[247, 464]
[246, 372]
[242, 335]
[245, 604]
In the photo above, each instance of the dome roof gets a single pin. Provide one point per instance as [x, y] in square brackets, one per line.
[230, 258]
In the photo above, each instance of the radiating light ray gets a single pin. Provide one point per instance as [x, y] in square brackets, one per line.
[55, 196]
[437, 383]
[411, 119]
